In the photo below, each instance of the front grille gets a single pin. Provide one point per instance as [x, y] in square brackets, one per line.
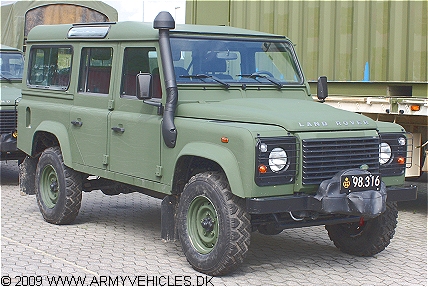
[7, 121]
[323, 158]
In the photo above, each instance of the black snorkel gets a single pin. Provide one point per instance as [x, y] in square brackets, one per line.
[164, 22]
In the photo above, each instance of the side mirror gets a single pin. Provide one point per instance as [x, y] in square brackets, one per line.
[144, 86]
[322, 92]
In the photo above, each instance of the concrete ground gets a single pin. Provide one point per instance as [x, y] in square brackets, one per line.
[115, 240]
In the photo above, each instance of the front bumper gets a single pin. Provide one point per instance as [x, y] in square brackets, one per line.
[8, 148]
[329, 200]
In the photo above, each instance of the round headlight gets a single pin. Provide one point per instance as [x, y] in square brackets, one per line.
[384, 153]
[278, 159]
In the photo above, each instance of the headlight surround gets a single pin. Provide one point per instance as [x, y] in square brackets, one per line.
[393, 153]
[385, 153]
[278, 160]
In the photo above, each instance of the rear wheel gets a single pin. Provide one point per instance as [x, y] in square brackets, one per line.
[365, 238]
[58, 188]
[213, 226]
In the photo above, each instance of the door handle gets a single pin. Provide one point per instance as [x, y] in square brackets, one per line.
[76, 123]
[118, 129]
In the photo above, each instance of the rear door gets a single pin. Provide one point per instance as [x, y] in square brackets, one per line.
[92, 104]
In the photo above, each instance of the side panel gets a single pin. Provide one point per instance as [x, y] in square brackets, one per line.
[31, 115]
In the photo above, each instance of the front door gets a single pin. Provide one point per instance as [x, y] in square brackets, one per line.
[135, 137]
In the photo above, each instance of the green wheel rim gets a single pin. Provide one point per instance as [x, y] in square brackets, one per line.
[49, 186]
[202, 224]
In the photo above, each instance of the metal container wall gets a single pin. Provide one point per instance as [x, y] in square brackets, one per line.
[344, 40]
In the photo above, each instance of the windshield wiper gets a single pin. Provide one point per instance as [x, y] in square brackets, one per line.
[205, 76]
[260, 75]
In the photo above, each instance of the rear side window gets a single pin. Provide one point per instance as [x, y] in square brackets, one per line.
[50, 67]
[95, 70]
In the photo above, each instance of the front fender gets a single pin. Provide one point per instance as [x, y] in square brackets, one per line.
[60, 132]
[223, 157]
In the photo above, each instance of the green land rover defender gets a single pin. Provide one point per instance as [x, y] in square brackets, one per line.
[218, 122]
[11, 68]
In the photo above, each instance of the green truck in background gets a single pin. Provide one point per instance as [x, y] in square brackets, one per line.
[12, 67]
[218, 122]
[374, 53]
[17, 19]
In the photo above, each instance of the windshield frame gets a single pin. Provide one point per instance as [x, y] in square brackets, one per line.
[247, 79]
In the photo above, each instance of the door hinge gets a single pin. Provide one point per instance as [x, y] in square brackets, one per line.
[158, 170]
[111, 105]
[105, 159]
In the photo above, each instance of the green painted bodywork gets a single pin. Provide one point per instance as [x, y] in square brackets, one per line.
[205, 114]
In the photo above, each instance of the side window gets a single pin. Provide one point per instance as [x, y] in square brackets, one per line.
[95, 70]
[139, 60]
[50, 67]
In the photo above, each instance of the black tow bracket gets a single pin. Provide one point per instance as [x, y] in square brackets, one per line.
[368, 203]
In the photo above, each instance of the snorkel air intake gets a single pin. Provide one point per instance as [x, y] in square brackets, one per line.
[164, 22]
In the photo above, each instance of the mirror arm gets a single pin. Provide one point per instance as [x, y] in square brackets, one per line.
[155, 104]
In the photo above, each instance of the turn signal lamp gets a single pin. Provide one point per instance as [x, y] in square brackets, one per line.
[15, 134]
[415, 108]
[224, 140]
[401, 160]
[262, 168]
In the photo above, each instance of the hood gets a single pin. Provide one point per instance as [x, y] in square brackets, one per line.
[9, 93]
[291, 114]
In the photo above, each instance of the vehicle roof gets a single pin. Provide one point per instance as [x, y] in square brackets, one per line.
[137, 31]
[8, 49]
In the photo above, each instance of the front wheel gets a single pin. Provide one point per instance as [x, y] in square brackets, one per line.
[58, 188]
[213, 226]
[365, 238]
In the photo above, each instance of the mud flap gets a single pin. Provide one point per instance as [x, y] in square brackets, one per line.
[169, 207]
[368, 203]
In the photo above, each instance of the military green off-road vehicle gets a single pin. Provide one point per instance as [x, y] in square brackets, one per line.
[11, 68]
[218, 122]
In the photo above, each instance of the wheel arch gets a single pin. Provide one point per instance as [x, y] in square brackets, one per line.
[197, 157]
[49, 134]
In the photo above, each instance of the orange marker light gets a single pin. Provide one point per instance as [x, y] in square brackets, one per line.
[224, 140]
[262, 168]
[401, 160]
[415, 108]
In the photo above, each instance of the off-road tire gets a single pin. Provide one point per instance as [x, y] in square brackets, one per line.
[58, 188]
[368, 239]
[27, 175]
[207, 196]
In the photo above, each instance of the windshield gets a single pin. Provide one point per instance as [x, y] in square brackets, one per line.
[222, 61]
[12, 65]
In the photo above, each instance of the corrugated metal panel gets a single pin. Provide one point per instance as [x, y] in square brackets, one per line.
[345, 40]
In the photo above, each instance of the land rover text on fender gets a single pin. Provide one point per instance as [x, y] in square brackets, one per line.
[217, 122]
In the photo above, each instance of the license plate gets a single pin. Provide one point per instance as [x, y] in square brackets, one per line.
[361, 182]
